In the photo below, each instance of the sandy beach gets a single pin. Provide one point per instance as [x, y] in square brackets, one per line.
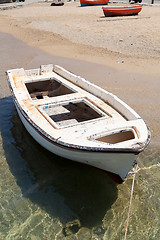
[84, 33]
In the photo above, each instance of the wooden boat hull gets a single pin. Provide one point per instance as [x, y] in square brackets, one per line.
[111, 11]
[118, 163]
[93, 2]
[97, 140]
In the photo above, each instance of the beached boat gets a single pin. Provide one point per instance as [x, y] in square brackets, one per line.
[78, 120]
[93, 2]
[110, 11]
[57, 2]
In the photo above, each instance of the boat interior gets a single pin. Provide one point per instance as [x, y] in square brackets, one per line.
[47, 88]
[118, 137]
[63, 114]
[71, 112]
[79, 111]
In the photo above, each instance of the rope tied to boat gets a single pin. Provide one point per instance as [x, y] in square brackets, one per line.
[130, 202]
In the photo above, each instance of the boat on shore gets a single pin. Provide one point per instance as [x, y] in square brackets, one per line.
[93, 2]
[111, 11]
[77, 120]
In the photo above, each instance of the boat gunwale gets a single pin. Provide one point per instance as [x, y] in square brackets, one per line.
[77, 147]
[103, 92]
[138, 147]
[85, 3]
[122, 7]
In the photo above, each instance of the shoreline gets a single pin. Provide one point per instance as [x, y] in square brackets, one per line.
[56, 44]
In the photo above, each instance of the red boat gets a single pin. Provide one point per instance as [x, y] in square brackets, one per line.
[111, 11]
[93, 2]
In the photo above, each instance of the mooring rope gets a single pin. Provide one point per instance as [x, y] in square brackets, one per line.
[130, 202]
[150, 167]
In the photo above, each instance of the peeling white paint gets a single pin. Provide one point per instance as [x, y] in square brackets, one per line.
[78, 120]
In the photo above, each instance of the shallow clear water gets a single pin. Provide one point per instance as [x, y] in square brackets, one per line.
[47, 197]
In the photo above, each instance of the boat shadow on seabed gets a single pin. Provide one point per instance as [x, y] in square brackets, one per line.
[62, 188]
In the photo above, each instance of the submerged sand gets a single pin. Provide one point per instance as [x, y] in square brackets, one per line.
[127, 48]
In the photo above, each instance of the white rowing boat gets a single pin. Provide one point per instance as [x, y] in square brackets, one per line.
[75, 119]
